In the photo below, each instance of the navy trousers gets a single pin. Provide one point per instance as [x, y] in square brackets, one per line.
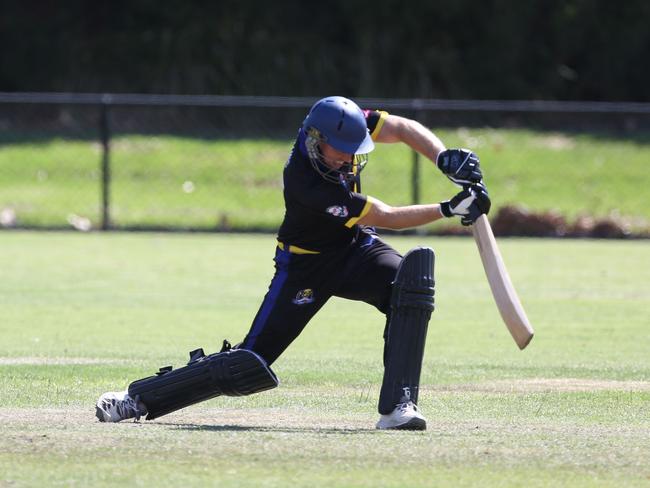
[303, 283]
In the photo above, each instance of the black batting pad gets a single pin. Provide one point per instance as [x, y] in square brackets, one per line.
[411, 305]
[236, 372]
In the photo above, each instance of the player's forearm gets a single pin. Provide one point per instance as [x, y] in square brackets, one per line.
[423, 140]
[413, 134]
[396, 218]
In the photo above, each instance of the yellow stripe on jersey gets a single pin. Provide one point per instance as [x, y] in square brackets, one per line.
[295, 249]
[364, 212]
[382, 118]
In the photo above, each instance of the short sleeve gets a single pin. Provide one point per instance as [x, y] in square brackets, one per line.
[339, 206]
[375, 120]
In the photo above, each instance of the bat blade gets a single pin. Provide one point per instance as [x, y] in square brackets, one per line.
[505, 296]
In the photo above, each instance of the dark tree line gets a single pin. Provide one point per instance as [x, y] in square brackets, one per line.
[492, 49]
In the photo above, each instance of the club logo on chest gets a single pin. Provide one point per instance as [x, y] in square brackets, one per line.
[338, 210]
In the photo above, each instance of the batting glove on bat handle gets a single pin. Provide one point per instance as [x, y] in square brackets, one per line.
[481, 205]
[461, 166]
[468, 204]
[459, 204]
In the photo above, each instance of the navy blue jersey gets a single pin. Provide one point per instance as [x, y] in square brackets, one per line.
[320, 216]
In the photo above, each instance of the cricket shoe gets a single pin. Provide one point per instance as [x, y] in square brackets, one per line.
[116, 406]
[404, 417]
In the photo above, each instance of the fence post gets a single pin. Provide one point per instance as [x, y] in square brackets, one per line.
[415, 178]
[415, 169]
[105, 131]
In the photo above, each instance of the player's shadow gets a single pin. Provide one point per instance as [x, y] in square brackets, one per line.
[266, 428]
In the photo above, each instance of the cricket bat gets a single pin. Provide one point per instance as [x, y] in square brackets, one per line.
[504, 293]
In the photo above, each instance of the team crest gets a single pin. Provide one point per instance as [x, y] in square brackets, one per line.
[304, 297]
[338, 210]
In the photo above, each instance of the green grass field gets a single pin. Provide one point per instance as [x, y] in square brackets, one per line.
[81, 314]
[202, 183]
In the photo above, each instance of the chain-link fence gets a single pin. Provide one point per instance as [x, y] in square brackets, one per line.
[215, 163]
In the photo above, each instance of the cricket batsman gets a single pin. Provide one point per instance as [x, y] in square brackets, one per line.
[327, 246]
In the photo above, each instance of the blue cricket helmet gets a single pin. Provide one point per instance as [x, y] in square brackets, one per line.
[341, 124]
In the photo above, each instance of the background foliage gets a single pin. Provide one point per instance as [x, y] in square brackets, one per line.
[539, 49]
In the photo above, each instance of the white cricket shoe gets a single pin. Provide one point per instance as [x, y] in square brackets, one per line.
[404, 417]
[115, 406]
